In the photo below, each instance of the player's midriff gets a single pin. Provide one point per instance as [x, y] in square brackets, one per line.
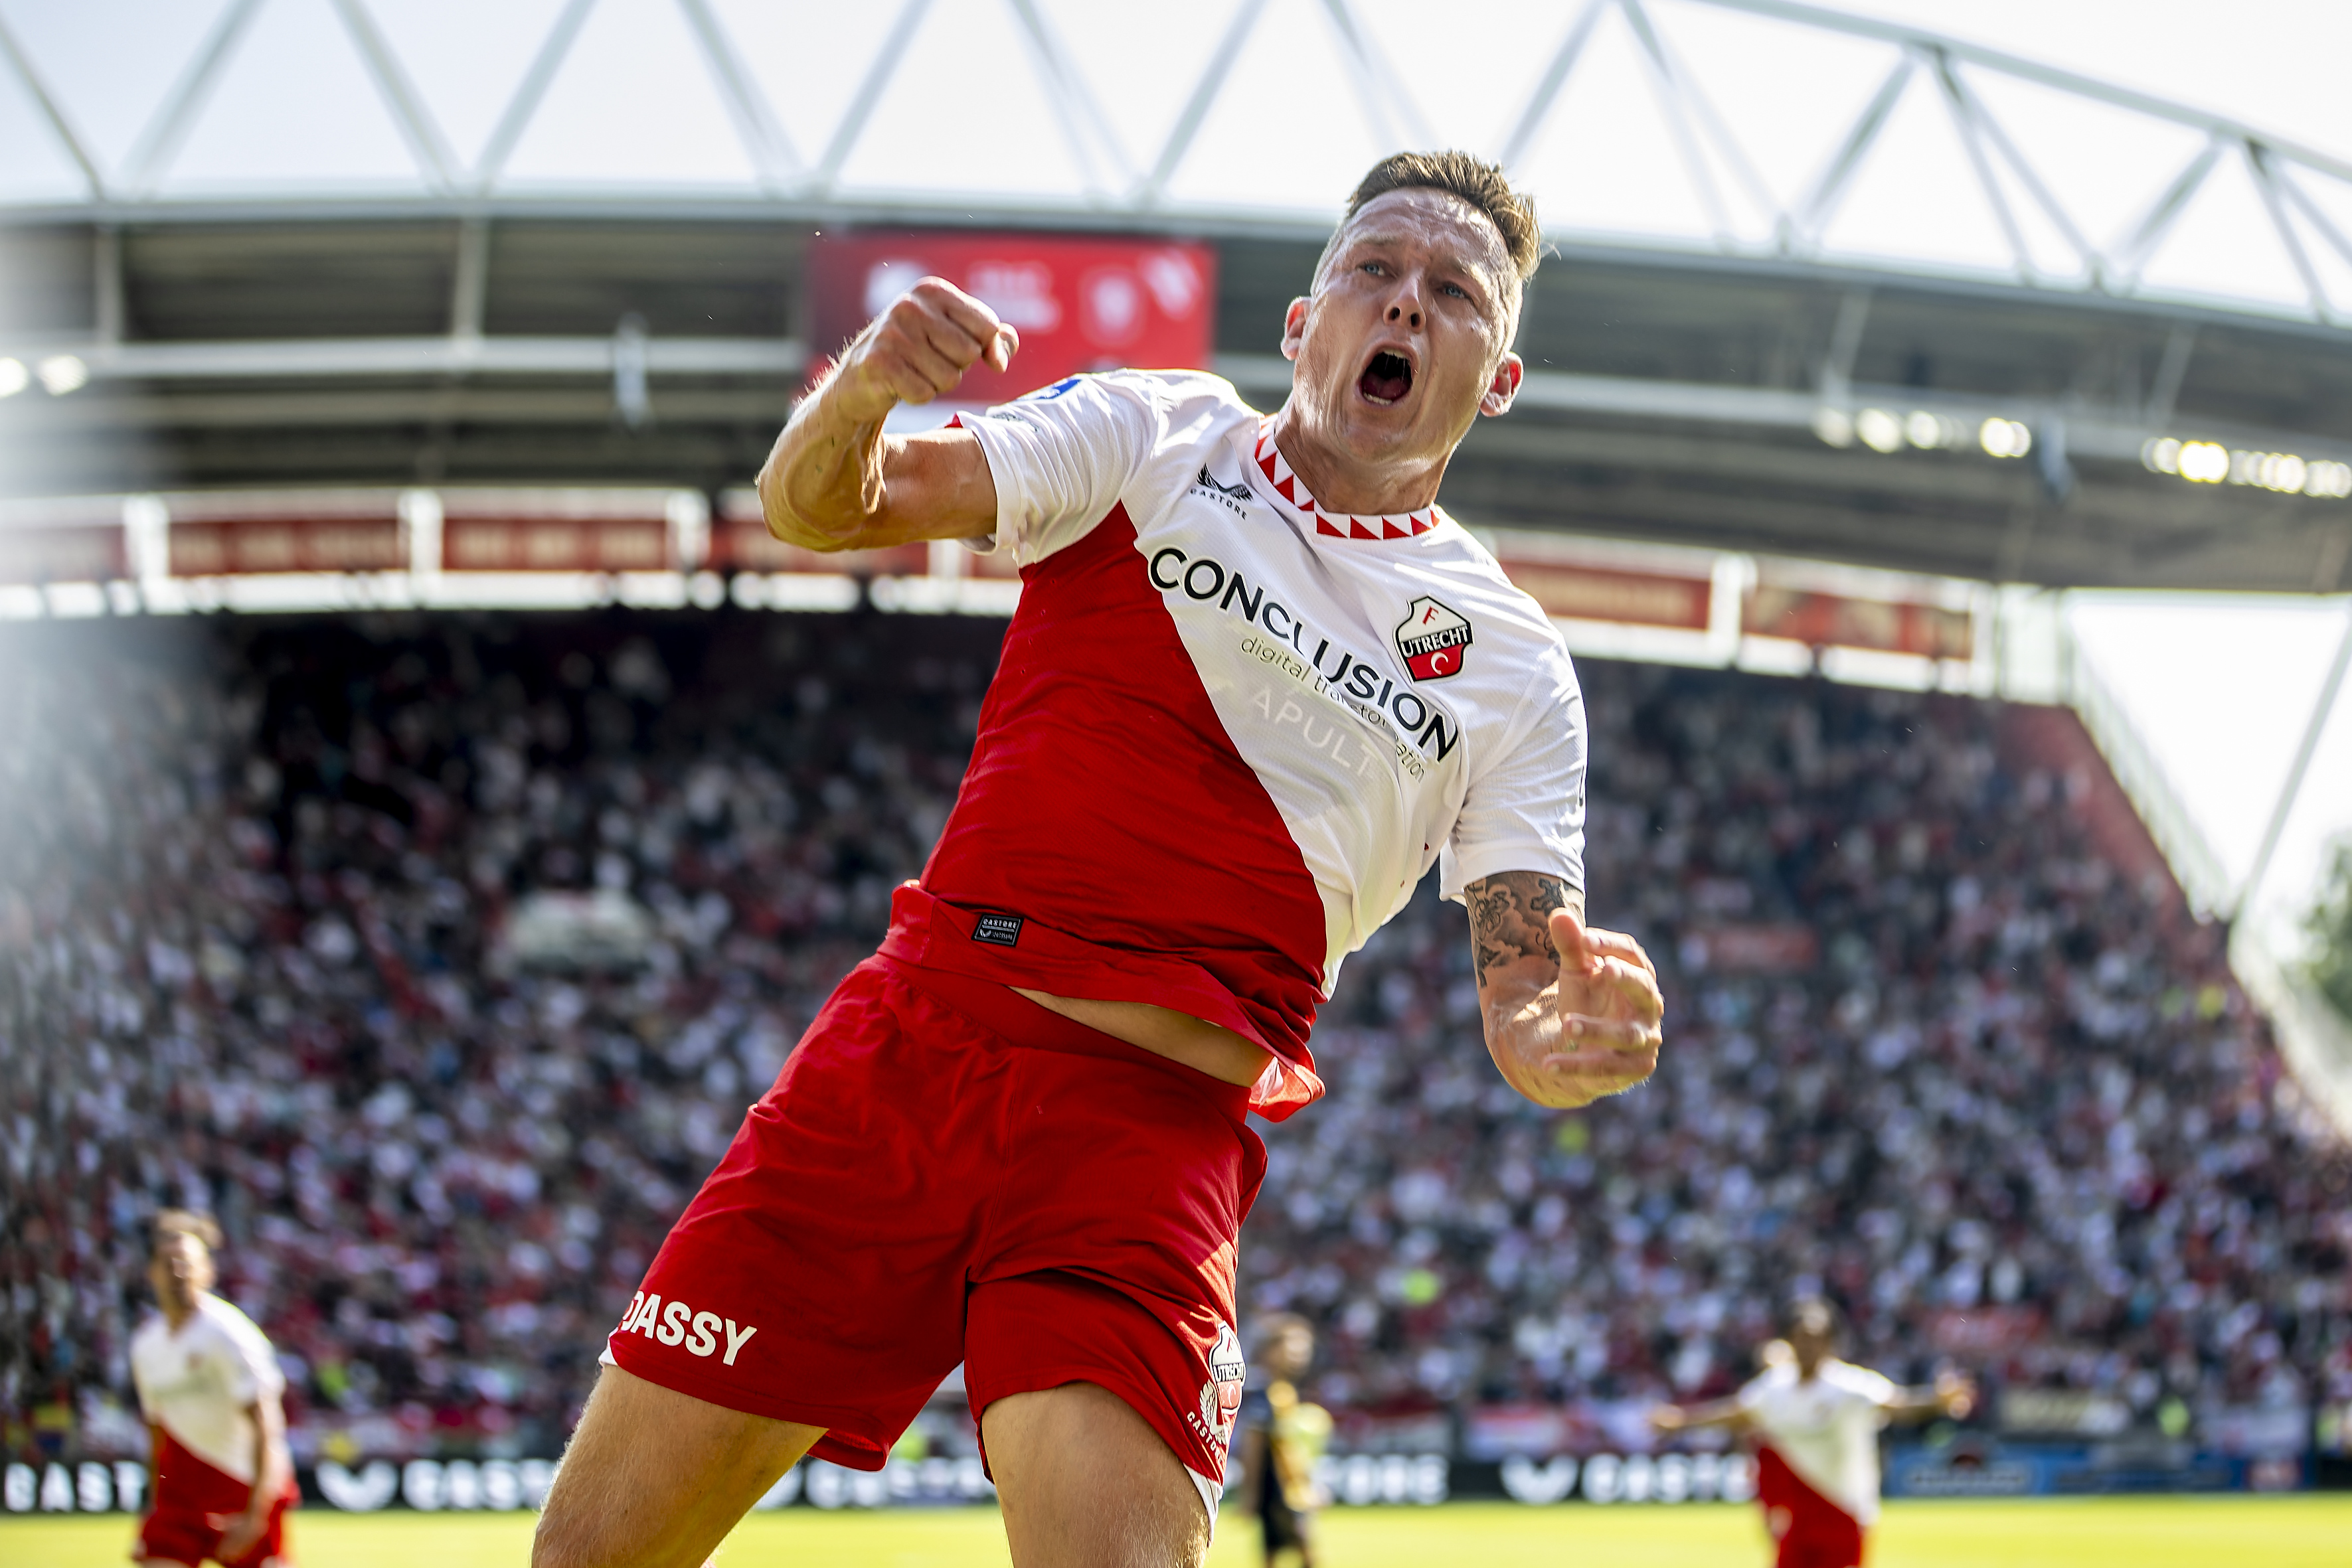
[1216, 755]
[1180, 1036]
[1156, 893]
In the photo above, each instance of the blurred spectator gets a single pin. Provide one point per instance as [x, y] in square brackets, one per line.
[1929, 1052]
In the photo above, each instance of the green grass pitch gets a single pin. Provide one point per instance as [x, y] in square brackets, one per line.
[2305, 1532]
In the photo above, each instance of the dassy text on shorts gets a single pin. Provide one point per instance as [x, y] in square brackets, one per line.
[677, 1323]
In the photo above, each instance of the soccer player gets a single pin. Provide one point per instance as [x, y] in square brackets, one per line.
[1814, 1421]
[1281, 1437]
[1258, 684]
[209, 1386]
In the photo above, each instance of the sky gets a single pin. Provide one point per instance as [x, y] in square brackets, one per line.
[2221, 688]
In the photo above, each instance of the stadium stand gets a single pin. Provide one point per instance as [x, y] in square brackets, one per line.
[276, 939]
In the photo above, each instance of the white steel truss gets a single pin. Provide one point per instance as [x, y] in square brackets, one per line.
[1146, 168]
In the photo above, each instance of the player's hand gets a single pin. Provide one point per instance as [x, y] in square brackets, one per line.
[918, 349]
[1668, 1417]
[239, 1532]
[1602, 1032]
[1955, 1395]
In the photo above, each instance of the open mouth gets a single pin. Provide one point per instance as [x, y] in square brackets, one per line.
[1387, 379]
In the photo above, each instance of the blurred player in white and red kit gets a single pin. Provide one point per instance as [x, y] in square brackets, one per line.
[210, 1387]
[1814, 1422]
[1258, 684]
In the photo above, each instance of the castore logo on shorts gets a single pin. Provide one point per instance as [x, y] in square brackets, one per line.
[679, 1324]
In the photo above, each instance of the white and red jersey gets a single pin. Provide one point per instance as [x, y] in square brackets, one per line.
[1230, 730]
[1825, 1428]
[197, 1382]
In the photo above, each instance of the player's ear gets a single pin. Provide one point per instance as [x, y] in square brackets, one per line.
[1294, 328]
[1504, 388]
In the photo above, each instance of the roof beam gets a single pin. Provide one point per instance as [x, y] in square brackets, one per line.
[756, 126]
[50, 110]
[1212, 81]
[1690, 94]
[1385, 98]
[516, 116]
[2259, 165]
[159, 142]
[434, 160]
[346, 359]
[1084, 126]
[878, 72]
[1963, 109]
[2095, 265]
[2016, 66]
[1547, 89]
[2158, 221]
[1820, 203]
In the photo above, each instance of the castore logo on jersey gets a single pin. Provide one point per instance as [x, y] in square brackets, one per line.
[1234, 498]
[1208, 481]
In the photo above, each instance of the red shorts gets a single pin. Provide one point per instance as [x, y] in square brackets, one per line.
[194, 1501]
[1812, 1531]
[946, 1172]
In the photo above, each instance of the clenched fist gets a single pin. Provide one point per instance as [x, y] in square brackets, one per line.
[1594, 1032]
[918, 349]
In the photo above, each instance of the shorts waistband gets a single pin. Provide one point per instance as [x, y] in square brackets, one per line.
[1007, 1013]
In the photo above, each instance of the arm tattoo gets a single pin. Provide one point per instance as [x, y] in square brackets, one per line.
[1510, 916]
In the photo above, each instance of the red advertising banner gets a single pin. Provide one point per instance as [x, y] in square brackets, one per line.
[739, 544]
[67, 553]
[1827, 620]
[243, 547]
[1984, 1330]
[1752, 949]
[1080, 303]
[555, 544]
[1599, 594]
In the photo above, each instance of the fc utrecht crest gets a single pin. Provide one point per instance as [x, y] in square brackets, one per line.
[1434, 640]
[1220, 1396]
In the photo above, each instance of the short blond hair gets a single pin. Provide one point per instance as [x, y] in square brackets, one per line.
[173, 1222]
[1482, 184]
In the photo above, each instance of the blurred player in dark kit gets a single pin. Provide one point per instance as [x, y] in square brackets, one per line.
[1280, 1439]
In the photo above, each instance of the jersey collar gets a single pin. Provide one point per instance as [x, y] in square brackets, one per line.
[1333, 524]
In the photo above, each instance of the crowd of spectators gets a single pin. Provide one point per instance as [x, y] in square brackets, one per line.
[1929, 1053]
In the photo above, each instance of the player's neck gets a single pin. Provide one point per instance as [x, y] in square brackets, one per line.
[1341, 482]
[177, 1316]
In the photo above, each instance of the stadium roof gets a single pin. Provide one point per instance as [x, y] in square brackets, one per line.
[1643, 119]
[1804, 258]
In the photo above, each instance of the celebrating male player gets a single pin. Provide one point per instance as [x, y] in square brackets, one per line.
[1815, 1422]
[1257, 684]
[209, 1385]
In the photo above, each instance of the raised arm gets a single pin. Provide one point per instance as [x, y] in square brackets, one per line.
[835, 481]
[273, 1466]
[1729, 1413]
[1570, 1014]
[1951, 1395]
